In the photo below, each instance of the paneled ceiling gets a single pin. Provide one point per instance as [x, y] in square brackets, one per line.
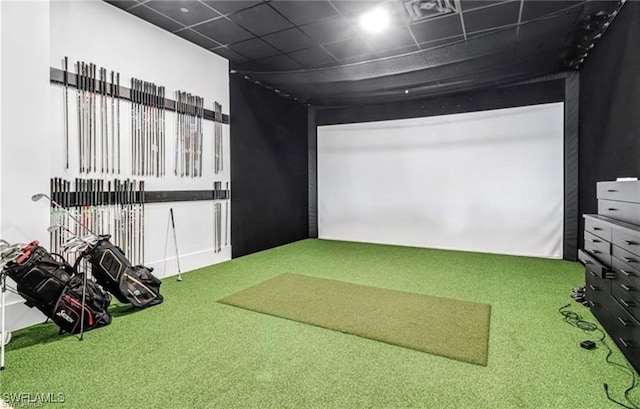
[316, 52]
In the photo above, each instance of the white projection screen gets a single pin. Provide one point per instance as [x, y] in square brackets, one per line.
[489, 181]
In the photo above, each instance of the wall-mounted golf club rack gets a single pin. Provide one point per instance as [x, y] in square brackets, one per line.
[104, 146]
[148, 129]
[98, 135]
[115, 208]
[99, 123]
[188, 144]
[220, 194]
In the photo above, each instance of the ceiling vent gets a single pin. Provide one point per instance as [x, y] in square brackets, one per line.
[419, 10]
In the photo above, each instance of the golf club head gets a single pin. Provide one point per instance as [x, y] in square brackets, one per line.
[53, 228]
[73, 248]
[71, 241]
[6, 260]
[9, 251]
[57, 227]
[37, 196]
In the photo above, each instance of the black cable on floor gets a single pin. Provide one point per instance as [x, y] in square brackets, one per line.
[576, 320]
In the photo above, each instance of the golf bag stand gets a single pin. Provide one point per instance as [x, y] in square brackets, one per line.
[3, 283]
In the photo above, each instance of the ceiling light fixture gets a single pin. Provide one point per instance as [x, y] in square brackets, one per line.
[184, 9]
[418, 10]
[375, 21]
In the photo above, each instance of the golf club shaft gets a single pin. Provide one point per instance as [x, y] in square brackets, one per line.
[175, 242]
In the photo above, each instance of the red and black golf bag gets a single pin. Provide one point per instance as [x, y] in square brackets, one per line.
[50, 284]
[134, 285]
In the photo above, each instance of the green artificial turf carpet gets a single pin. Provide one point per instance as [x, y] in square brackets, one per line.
[441, 326]
[193, 352]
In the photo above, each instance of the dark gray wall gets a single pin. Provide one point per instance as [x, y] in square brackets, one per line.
[505, 97]
[610, 107]
[269, 179]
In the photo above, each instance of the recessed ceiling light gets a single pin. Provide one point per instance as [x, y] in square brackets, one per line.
[184, 9]
[375, 21]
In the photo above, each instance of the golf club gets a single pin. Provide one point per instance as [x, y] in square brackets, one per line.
[175, 241]
[39, 196]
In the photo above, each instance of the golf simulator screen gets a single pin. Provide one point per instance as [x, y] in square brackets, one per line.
[489, 181]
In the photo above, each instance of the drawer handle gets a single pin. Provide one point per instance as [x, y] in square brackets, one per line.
[595, 241]
[595, 251]
[592, 304]
[612, 209]
[629, 259]
[625, 273]
[629, 242]
[624, 303]
[626, 288]
[611, 190]
[623, 322]
[593, 274]
[623, 342]
[597, 228]
[593, 288]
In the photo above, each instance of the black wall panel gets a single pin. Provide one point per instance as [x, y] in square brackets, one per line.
[269, 174]
[610, 108]
[505, 97]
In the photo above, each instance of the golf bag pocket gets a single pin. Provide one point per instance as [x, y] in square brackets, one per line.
[40, 278]
[140, 287]
[134, 285]
[68, 312]
[108, 264]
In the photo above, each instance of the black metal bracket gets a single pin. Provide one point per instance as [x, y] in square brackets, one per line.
[185, 195]
[57, 76]
[78, 199]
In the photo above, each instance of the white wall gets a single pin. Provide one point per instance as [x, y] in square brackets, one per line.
[94, 31]
[1, 93]
[488, 181]
[120, 41]
[25, 131]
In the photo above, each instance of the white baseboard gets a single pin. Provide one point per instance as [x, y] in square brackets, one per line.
[20, 316]
[189, 262]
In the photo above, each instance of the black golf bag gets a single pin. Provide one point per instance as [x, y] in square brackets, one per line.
[50, 284]
[113, 271]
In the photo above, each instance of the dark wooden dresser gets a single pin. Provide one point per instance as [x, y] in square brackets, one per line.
[611, 256]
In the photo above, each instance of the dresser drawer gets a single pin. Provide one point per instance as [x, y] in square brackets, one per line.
[600, 308]
[600, 251]
[629, 258]
[625, 300]
[623, 269]
[597, 227]
[597, 289]
[625, 211]
[591, 241]
[592, 265]
[622, 191]
[629, 287]
[626, 240]
[624, 329]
